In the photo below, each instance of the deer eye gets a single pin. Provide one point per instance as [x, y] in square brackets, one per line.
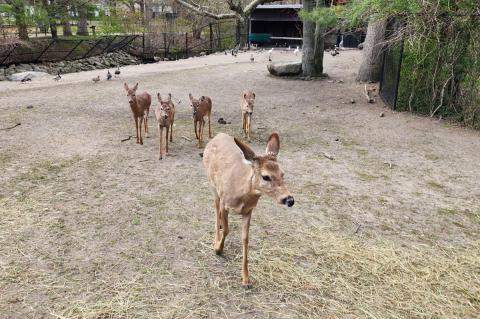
[266, 178]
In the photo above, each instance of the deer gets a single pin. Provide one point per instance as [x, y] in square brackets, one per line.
[246, 105]
[238, 179]
[140, 106]
[165, 114]
[202, 108]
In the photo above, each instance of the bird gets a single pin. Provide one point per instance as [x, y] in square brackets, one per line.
[109, 75]
[251, 58]
[289, 48]
[225, 52]
[117, 71]
[96, 79]
[58, 77]
[26, 78]
[297, 50]
[270, 51]
[333, 53]
[270, 58]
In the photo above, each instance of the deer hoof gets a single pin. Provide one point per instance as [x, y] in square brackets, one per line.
[247, 284]
[218, 251]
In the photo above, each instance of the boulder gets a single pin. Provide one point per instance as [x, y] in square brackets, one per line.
[284, 68]
[31, 74]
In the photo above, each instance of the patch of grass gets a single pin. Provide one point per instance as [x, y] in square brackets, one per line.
[136, 220]
[435, 185]
[432, 157]
[366, 177]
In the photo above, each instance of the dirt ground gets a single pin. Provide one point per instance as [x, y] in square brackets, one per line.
[92, 227]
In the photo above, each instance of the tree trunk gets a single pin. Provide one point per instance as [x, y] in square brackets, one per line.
[67, 28]
[371, 66]
[319, 46]
[18, 8]
[241, 31]
[65, 19]
[82, 28]
[308, 58]
[53, 29]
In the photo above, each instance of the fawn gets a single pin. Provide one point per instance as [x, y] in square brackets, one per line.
[165, 114]
[246, 105]
[201, 108]
[238, 178]
[140, 105]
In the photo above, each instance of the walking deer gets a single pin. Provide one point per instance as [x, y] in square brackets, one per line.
[165, 114]
[246, 105]
[140, 106]
[201, 108]
[238, 178]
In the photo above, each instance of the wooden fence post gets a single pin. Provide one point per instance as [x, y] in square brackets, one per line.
[211, 38]
[186, 44]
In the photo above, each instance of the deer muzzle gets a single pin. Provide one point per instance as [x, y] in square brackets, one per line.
[288, 201]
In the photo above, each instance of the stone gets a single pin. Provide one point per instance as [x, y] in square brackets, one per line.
[31, 74]
[284, 68]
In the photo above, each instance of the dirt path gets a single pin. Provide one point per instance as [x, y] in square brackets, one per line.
[92, 227]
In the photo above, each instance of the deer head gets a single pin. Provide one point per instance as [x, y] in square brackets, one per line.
[165, 107]
[249, 97]
[195, 103]
[132, 99]
[267, 175]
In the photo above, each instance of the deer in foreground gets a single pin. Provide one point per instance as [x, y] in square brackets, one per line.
[239, 177]
[140, 106]
[165, 114]
[201, 108]
[246, 105]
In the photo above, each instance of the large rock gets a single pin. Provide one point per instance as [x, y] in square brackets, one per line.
[31, 74]
[285, 68]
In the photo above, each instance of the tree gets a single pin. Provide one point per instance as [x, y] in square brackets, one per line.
[371, 65]
[241, 14]
[82, 26]
[19, 13]
[65, 17]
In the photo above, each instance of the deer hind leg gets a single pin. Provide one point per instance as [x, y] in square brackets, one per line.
[140, 130]
[171, 129]
[201, 125]
[243, 122]
[245, 230]
[145, 120]
[248, 126]
[166, 140]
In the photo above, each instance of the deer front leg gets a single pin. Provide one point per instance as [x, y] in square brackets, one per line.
[249, 118]
[245, 229]
[140, 130]
[209, 128]
[222, 223]
[243, 122]
[166, 140]
[160, 131]
[200, 133]
[195, 128]
[136, 129]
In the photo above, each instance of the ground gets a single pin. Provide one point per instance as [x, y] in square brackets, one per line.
[92, 227]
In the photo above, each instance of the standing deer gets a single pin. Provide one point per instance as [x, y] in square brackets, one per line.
[201, 108]
[246, 105]
[165, 114]
[140, 105]
[238, 178]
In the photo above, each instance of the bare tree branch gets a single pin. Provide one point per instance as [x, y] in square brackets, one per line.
[202, 12]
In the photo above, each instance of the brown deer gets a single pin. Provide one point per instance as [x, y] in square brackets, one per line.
[140, 105]
[165, 114]
[201, 108]
[246, 105]
[238, 178]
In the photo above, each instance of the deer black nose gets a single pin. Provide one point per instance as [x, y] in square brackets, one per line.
[250, 113]
[288, 201]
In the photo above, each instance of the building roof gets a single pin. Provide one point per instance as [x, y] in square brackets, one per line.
[280, 6]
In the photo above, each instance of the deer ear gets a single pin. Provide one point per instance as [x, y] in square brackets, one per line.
[170, 97]
[125, 86]
[253, 95]
[244, 95]
[273, 144]
[190, 96]
[159, 97]
[246, 150]
[202, 98]
[135, 87]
